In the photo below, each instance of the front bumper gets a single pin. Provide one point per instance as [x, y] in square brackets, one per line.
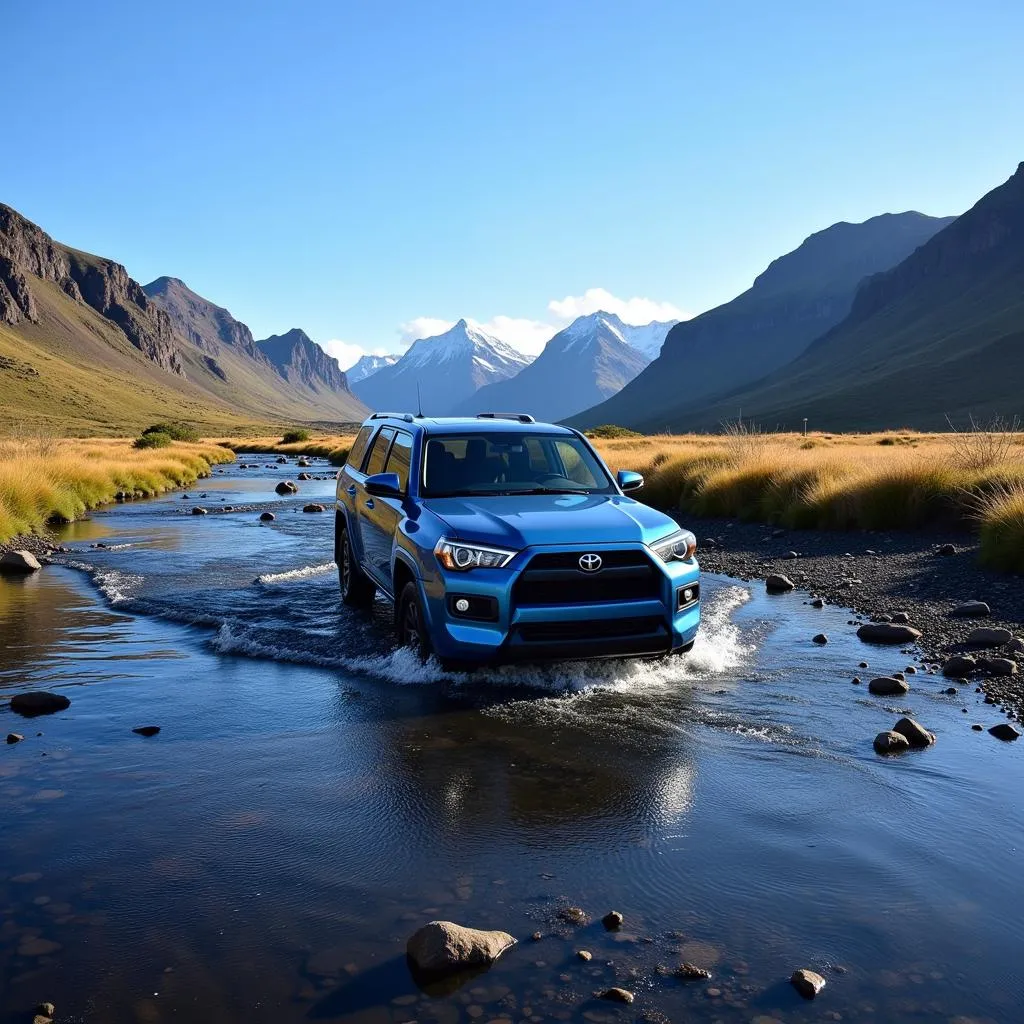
[642, 626]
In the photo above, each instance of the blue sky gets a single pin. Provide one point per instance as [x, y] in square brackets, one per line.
[350, 168]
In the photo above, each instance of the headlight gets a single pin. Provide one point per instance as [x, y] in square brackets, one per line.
[462, 557]
[676, 547]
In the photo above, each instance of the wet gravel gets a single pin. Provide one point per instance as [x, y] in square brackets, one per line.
[878, 573]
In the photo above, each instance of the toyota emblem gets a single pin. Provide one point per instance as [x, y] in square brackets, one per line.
[590, 562]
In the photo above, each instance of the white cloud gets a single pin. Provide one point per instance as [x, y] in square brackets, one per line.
[528, 336]
[631, 311]
[348, 353]
[422, 327]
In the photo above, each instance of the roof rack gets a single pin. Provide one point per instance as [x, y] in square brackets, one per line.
[521, 417]
[405, 416]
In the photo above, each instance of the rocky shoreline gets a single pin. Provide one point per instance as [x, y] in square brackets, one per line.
[879, 574]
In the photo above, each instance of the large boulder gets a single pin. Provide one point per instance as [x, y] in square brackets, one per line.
[38, 702]
[916, 734]
[891, 743]
[287, 487]
[997, 666]
[888, 633]
[888, 686]
[313, 507]
[807, 983]
[779, 584]
[989, 636]
[19, 562]
[959, 666]
[971, 610]
[443, 946]
[1005, 731]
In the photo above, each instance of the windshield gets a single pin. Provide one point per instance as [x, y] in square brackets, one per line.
[460, 465]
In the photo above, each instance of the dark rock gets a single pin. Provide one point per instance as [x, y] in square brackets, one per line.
[818, 603]
[287, 487]
[959, 666]
[282, 460]
[313, 507]
[790, 555]
[19, 562]
[304, 476]
[916, 734]
[443, 946]
[891, 743]
[38, 702]
[147, 730]
[888, 686]
[946, 550]
[807, 983]
[856, 680]
[573, 915]
[691, 972]
[612, 920]
[950, 691]
[617, 995]
[820, 639]
[977, 728]
[267, 517]
[988, 636]
[971, 610]
[14, 737]
[536, 936]
[584, 954]
[779, 584]
[1004, 731]
[863, 664]
[902, 618]
[197, 511]
[998, 666]
[888, 633]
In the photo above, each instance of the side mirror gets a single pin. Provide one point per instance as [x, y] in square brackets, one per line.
[629, 481]
[384, 485]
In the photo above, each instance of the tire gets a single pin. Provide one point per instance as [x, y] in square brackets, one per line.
[357, 589]
[411, 623]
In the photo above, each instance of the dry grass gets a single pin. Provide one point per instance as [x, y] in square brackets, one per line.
[46, 480]
[334, 447]
[899, 479]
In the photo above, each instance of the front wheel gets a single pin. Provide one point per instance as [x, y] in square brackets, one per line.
[357, 590]
[410, 622]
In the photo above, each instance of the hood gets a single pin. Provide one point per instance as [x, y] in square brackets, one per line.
[519, 521]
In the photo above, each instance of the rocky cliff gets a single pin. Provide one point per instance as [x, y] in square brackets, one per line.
[27, 253]
[301, 361]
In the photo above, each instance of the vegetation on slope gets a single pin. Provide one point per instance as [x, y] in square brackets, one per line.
[51, 481]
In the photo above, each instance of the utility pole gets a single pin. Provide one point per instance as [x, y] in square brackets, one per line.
[805, 426]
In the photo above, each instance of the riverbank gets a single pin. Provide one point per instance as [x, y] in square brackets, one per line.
[59, 480]
[879, 573]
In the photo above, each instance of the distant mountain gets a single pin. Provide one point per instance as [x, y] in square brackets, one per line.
[794, 301]
[293, 378]
[367, 366]
[647, 339]
[448, 369]
[84, 349]
[580, 366]
[941, 334]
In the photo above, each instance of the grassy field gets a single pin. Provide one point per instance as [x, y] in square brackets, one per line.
[970, 481]
[43, 480]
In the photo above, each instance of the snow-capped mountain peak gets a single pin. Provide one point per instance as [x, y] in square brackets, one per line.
[367, 366]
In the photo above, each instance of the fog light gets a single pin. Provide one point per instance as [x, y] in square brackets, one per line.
[462, 605]
[688, 594]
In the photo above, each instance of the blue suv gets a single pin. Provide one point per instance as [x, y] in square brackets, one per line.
[501, 539]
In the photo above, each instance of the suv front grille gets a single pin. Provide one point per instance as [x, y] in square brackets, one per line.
[554, 578]
[568, 632]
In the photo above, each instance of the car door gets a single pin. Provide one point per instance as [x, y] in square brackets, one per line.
[381, 516]
[365, 504]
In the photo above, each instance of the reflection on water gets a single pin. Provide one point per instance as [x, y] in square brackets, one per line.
[304, 809]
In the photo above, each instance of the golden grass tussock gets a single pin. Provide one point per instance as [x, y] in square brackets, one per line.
[46, 480]
[334, 447]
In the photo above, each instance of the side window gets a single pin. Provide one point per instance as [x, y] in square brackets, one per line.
[379, 451]
[358, 449]
[400, 458]
[573, 465]
[538, 457]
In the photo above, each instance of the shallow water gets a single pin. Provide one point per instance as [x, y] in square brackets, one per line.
[314, 796]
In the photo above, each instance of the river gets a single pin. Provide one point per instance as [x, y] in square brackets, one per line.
[314, 796]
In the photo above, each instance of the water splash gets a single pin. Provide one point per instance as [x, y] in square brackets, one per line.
[296, 574]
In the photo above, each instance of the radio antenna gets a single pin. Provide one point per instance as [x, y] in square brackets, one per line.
[419, 401]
